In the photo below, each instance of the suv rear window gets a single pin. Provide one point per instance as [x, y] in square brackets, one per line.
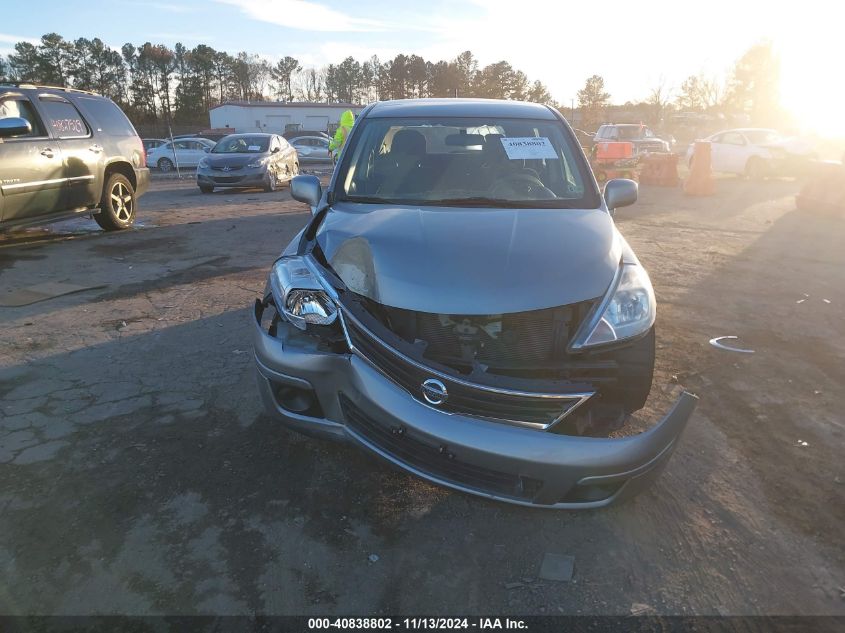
[108, 116]
[64, 119]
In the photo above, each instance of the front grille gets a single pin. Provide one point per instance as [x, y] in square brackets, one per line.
[437, 461]
[643, 148]
[528, 408]
[227, 180]
[497, 341]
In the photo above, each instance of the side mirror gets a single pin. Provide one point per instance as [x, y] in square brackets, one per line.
[206, 149]
[620, 192]
[306, 189]
[14, 126]
[275, 150]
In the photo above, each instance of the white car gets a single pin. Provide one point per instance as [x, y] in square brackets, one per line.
[187, 152]
[755, 152]
[311, 147]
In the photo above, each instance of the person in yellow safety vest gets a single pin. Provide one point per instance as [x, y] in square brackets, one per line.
[347, 119]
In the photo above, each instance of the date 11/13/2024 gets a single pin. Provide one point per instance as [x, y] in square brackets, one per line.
[387, 624]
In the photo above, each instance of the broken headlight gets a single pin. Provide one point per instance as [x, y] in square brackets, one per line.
[627, 311]
[299, 294]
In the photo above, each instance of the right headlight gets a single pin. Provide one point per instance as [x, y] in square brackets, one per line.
[203, 163]
[299, 295]
[627, 311]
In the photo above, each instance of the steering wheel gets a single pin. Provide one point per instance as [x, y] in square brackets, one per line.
[521, 184]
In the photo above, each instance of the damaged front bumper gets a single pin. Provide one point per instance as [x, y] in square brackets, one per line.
[342, 395]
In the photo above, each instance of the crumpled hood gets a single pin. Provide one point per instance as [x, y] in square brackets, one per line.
[235, 161]
[471, 261]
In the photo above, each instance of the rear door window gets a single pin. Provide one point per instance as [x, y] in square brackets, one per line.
[733, 138]
[63, 118]
[22, 108]
[109, 118]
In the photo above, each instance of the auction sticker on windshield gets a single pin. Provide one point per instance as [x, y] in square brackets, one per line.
[254, 148]
[528, 147]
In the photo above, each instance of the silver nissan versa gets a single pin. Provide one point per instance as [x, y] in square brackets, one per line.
[462, 305]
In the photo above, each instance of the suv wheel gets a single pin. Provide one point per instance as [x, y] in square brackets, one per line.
[165, 165]
[270, 181]
[117, 208]
[756, 168]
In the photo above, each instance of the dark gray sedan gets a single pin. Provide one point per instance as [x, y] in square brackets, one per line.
[248, 160]
[463, 305]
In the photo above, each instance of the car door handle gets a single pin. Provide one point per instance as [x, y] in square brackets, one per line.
[96, 148]
[47, 152]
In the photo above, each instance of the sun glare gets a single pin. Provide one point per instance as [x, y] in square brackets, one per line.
[810, 90]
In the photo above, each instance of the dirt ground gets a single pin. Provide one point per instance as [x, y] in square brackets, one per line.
[139, 476]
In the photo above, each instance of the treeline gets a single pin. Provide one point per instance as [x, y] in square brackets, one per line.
[750, 90]
[158, 84]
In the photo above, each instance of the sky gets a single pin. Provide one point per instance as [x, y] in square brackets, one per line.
[634, 46]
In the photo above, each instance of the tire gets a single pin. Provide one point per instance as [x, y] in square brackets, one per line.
[117, 207]
[270, 182]
[206, 189]
[165, 165]
[756, 168]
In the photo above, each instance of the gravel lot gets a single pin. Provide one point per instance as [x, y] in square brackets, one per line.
[139, 475]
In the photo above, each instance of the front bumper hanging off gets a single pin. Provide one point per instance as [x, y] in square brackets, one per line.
[343, 396]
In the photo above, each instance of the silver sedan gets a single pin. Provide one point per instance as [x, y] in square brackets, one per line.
[312, 148]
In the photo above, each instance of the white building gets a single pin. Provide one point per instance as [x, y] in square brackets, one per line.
[278, 116]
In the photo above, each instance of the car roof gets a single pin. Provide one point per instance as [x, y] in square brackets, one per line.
[181, 140]
[749, 129]
[459, 107]
[253, 134]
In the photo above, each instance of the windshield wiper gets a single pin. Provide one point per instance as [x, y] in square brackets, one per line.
[471, 201]
[478, 201]
[371, 200]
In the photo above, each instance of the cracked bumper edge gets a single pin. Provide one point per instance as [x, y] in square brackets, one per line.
[547, 470]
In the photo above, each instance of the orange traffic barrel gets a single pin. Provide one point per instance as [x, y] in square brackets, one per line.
[700, 180]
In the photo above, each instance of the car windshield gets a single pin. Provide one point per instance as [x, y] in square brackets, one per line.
[242, 145]
[466, 162]
[761, 137]
[633, 132]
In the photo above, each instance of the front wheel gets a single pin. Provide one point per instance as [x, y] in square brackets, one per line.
[206, 189]
[270, 181]
[165, 165]
[117, 207]
[756, 168]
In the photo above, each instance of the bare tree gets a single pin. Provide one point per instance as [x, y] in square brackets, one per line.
[659, 98]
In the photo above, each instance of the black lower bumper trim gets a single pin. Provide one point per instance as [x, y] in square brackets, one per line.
[438, 461]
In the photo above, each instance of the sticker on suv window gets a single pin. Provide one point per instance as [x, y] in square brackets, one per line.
[528, 147]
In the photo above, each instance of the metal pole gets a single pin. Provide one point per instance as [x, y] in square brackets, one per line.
[173, 147]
